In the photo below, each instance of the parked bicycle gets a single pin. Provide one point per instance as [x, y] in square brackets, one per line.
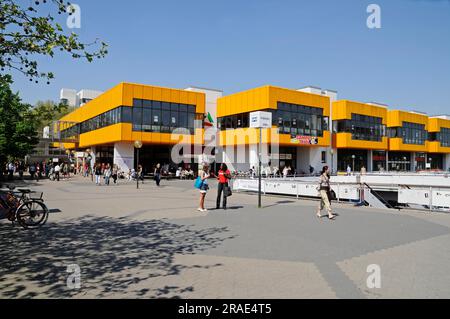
[23, 207]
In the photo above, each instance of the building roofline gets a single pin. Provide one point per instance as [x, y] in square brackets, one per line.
[203, 88]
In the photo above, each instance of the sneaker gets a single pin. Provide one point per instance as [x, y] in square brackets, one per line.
[204, 210]
[200, 210]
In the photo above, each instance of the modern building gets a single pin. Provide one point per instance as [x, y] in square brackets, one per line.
[300, 135]
[359, 137]
[108, 126]
[310, 129]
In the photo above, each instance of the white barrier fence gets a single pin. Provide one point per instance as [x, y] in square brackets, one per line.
[430, 198]
[294, 188]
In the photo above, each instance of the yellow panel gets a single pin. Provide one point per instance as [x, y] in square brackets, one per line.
[435, 147]
[127, 94]
[250, 136]
[396, 118]
[396, 144]
[147, 93]
[266, 98]
[436, 124]
[175, 96]
[157, 94]
[106, 135]
[342, 110]
[344, 140]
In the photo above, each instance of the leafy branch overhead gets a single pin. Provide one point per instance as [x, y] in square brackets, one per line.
[26, 34]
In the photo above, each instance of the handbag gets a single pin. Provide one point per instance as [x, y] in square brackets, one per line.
[227, 191]
[198, 183]
[331, 195]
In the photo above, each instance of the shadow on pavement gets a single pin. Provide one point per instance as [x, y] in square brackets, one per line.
[114, 255]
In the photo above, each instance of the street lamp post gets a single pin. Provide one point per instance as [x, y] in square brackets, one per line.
[138, 146]
[260, 168]
[332, 160]
[260, 120]
[89, 162]
[353, 158]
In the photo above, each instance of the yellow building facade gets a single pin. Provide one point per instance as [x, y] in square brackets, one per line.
[108, 126]
[310, 128]
[299, 137]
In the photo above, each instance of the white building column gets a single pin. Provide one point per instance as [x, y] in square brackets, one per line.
[93, 157]
[253, 156]
[124, 156]
[446, 162]
[370, 160]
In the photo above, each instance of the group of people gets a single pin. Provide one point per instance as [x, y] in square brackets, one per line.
[184, 173]
[105, 172]
[270, 171]
[223, 190]
[38, 170]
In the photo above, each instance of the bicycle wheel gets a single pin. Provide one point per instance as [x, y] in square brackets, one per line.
[32, 214]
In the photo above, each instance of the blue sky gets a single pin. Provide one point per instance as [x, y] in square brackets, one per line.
[235, 45]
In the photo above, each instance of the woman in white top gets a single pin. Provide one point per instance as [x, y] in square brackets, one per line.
[204, 175]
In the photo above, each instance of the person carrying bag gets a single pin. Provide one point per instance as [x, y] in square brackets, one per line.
[223, 177]
[326, 193]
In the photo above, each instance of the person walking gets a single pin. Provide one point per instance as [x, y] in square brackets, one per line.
[157, 174]
[38, 172]
[349, 170]
[363, 170]
[324, 190]
[140, 173]
[98, 175]
[204, 175]
[32, 170]
[285, 172]
[21, 168]
[11, 169]
[57, 169]
[114, 174]
[223, 177]
[108, 174]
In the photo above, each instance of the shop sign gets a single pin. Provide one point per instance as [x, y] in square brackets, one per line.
[304, 140]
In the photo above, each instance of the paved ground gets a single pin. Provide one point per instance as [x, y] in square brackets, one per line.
[153, 243]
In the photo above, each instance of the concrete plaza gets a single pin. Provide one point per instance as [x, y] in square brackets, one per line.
[153, 243]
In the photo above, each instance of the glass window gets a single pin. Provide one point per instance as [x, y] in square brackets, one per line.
[174, 119]
[137, 103]
[156, 105]
[165, 106]
[183, 108]
[156, 120]
[191, 122]
[147, 104]
[183, 119]
[126, 114]
[147, 120]
[137, 119]
[191, 108]
[165, 127]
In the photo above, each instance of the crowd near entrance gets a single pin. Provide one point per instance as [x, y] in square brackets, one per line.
[152, 155]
